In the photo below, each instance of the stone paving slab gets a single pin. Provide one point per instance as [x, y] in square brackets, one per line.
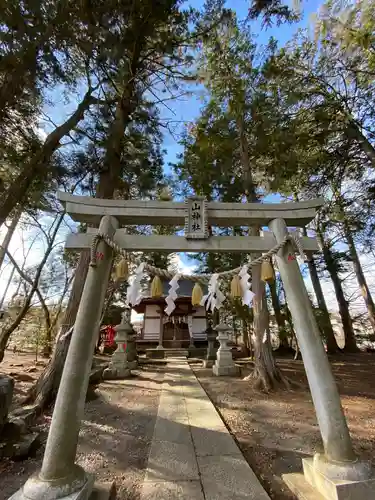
[171, 462]
[174, 432]
[206, 420]
[192, 455]
[213, 442]
[229, 478]
[182, 490]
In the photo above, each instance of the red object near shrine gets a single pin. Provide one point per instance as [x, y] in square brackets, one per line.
[109, 336]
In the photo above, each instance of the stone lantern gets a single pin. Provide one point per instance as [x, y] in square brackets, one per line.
[119, 366]
[224, 364]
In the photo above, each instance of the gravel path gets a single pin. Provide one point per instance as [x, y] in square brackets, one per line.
[115, 436]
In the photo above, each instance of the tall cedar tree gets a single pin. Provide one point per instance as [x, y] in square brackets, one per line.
[230, 72]
[140, 48]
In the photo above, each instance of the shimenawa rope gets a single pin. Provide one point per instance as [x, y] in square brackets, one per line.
[163, 273]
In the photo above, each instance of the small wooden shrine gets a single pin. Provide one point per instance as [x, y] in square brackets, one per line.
[185, 326]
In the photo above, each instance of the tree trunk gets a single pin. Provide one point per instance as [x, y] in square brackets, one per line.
[353, 132]
[365, 291]
[329, 335]
[47, 351]
[7, 287]
[246, 340]
[266, 370]
[46, 387]
[268, 375]
[9, 235]
[280, 320]
[38, 165]
[48, 383]
[347, 324]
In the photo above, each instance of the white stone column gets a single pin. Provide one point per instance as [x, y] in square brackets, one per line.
[161, 329]
[339, 461]
[60, 476]
[190, 328]
[224, 364]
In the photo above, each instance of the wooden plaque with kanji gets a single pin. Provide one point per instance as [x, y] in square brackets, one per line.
[196, 218]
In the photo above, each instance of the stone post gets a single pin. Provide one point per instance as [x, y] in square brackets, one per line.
[161, 329]
[224, 364]
[119, 366]
[60, 476]
[339, 460]
[131, 349]
[211, 335]
[190, 328]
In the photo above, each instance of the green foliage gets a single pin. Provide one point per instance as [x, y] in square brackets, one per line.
[272, 10]
[121, 52]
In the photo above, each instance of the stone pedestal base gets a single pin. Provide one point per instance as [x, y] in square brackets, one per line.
[131, 352]
[160, 347]
[133, 365]
[208, 363]
[225, 370]
[224, 364]
[340, 481]
[90, 491]
[37, 489]
[104, 491]
[113, 373]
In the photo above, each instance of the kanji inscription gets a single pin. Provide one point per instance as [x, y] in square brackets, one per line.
[196, 218]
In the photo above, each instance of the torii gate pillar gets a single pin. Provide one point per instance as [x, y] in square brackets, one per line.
[339, 464]
[60, 477]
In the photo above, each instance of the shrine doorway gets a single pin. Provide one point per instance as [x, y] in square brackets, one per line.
[176, 334]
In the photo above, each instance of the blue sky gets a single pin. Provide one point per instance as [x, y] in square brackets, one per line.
[187, 109]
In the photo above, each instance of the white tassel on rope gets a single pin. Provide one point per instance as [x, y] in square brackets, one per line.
[134, 292]
[247, 294]
[172, 295]
[215, 296]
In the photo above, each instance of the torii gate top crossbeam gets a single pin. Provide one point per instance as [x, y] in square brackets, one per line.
[132, 212]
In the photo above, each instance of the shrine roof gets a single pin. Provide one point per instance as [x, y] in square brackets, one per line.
[185, 288]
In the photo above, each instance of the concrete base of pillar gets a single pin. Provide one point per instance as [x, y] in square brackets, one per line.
[104, 491]
[112, 373]
[221, 371]
[36, 488]
[340, 481]
[133, 365]
[208, 363]
[160, 347]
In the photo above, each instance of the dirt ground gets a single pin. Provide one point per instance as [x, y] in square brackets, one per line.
[115, 435]
[276, 431]
[273, 431]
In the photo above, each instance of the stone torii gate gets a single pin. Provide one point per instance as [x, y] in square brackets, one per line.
[336, 474]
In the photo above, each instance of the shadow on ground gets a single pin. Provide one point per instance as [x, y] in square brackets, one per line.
[275, 431]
